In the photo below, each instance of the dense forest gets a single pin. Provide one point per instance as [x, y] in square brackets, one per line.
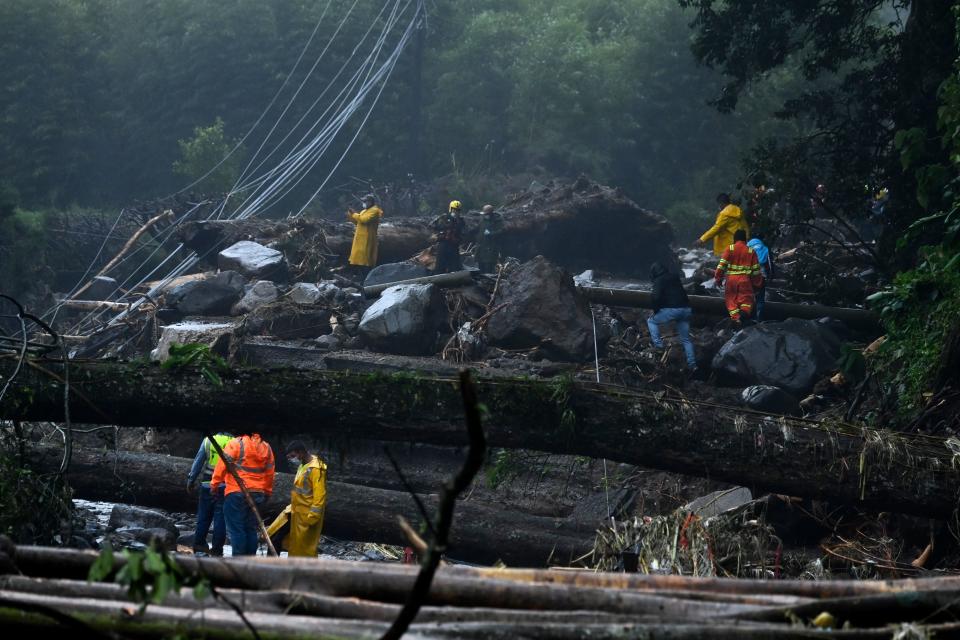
[98, 93]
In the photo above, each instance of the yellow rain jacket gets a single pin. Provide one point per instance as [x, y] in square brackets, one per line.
[308, 502]
[729, 220]
[364, 249]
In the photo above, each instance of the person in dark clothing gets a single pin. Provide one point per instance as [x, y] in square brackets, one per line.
[449, 232]
[670, 304]
[488, 242]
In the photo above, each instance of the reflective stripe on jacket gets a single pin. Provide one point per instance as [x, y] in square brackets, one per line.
[254, 461]
[739, 260]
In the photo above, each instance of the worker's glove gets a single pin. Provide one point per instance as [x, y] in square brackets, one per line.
[191, 487]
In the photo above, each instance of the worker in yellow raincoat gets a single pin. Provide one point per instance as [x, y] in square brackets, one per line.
[729, 220]
[298, 527]
[363, 253]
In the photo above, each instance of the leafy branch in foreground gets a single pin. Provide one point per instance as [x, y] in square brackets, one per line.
[197, 355]
[149, 575]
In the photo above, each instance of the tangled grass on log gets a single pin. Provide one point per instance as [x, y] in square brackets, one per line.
[733, 544]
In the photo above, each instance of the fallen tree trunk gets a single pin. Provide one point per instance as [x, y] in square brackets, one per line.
[456, 278]
[828, 460]
[861, 319]
[481, 533]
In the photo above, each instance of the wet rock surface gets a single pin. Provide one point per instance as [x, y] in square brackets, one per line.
[214, 296]
[542, 309]
[405, 320]
[253, 260]
[792, 355]
[395, 272]
[258, 294]
[770, 399]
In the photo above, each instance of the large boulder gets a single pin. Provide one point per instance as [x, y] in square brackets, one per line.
[543, 308]
[208, 297]
[253, 260]
[216, 335]
[405, 320]
[395, 272]
[792, 355]
[130, 517]
[258, 294]
[304, 293]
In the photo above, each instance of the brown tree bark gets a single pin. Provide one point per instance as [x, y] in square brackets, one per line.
[481, 533]
[827, 460]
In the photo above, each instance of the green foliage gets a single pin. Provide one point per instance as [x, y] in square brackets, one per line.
[852, 364]
[210, 158]
[866, 110]
[34, 508]
[198, 356]
[149, 575]
[918, 312]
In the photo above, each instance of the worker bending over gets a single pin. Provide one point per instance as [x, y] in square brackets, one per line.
[254, 463]
[670, 304]
[742, 270]
[729, 220]
[297, 529]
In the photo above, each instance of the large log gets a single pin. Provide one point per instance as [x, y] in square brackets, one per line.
[827, 460]
[481, 533]
[861, 319]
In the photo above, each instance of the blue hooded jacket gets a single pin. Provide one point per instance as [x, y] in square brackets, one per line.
[763, 256]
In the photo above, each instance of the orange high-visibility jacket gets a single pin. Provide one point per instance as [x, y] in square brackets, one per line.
[739, 260]
[255, 464]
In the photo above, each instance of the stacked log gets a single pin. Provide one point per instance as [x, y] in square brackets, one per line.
[301, 597]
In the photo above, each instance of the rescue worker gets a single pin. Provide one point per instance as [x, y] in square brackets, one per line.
[209, 506]
[729, 220]
[488, 241]
[255, 465]
[742, 270]
[297, 529]
[449, 231]
[670, 304]
[766, 270]
[363, 253]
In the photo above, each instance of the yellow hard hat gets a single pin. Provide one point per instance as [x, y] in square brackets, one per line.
[455, 205]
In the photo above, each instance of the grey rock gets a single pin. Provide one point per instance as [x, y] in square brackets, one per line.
[258, 294]
[394, 272]
[216, 335]
[253, 260]
[126, 516]
[585, 279]
[770, 399]
[718, 502]
[544, 309]
[405, 320]
[304, 293]
[792, 355]
[209, 297]
[330, 342]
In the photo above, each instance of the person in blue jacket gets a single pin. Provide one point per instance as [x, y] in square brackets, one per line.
[766, 268]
